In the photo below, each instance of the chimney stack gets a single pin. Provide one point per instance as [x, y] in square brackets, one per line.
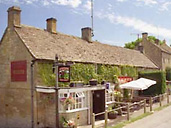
[14, 16]
[164, 41]
[86, 34]
[144, 35]
[157, 41]
[51, 25]
[140, 47]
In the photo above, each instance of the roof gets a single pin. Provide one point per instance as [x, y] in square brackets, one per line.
[165, 48]
[44, 45]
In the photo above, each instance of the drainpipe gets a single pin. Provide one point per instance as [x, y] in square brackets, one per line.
[57, 92]
[32, 93]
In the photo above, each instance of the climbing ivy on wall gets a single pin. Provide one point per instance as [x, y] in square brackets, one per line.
[83, 72]
[46, 74]
[86, 72]
[129, 71]
[107, 73]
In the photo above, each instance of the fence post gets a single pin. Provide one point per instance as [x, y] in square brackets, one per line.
[93, 120]
[128, 112]
[106, 117]
[151, 108]
[160, 99]
[144, 105]
[168, 98]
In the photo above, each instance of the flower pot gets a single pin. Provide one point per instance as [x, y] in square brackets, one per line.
[93, 82]
[112, 115]
[77, 84]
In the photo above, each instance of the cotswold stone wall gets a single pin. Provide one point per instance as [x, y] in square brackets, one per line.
[15, 97]
[152, 52]
[166, 60]
[46, 112]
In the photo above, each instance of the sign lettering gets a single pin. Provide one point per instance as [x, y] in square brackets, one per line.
[19, 71]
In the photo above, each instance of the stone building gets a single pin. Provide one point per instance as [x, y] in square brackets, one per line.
[22, 47]
[159, 54]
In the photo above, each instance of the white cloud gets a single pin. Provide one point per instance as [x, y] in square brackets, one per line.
[87, 6]
[72, 3]
[165, 6]
[148, 2]
[136, 24]
[10, 1]
[46, 3]
[29, 1]
[121, 0]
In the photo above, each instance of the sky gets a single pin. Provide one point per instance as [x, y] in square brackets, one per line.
[116, 22]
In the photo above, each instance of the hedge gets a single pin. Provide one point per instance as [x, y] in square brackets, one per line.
[168, 73]
[159, 77]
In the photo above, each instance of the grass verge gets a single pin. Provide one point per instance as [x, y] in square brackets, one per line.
[162, 107]
[122, 124]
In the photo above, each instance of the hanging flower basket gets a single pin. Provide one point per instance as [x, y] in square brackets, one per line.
[68, 102]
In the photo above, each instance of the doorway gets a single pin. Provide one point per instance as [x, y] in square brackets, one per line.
[99, 103]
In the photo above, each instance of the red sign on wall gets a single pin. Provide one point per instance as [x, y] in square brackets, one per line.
[124, 79]
[19, 71]
[64, 73]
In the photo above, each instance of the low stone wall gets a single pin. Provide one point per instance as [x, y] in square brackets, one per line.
[81, 117]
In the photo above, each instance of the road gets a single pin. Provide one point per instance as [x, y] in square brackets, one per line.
[159, 119]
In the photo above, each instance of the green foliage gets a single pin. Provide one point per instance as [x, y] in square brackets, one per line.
[129, 71]
[133, 44]
[168, 73]
[107, 73]
[152, 39]
[48, 78]
[126, 94]
[83, 72]
[159, 77]
[46, 74]
[86, 72]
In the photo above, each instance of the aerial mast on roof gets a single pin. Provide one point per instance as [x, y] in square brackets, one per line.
[137, 34]
[92, 19]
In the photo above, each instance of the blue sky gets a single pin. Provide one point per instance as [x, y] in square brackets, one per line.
[115, 21]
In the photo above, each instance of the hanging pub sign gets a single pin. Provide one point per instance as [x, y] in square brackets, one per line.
[124, 79]
[64, 73]
[19, 71]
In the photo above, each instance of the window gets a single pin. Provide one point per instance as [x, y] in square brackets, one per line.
[110, 95]
[72, 101]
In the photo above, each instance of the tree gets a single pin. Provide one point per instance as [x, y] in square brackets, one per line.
[133, 44]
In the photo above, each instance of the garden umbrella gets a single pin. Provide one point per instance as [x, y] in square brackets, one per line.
[139, 84]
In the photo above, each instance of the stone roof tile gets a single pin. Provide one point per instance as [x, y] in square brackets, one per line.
[44, 45]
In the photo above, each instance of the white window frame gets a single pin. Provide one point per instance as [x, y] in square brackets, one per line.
[79, 96]
[110, 98]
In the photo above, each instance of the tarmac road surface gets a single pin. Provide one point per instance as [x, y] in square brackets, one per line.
[159, 119]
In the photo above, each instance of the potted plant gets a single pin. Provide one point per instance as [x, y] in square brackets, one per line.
[117, 95]
[112, 114]
[68, 123]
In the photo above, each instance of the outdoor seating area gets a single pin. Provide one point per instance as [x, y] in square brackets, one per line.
[125, 111]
